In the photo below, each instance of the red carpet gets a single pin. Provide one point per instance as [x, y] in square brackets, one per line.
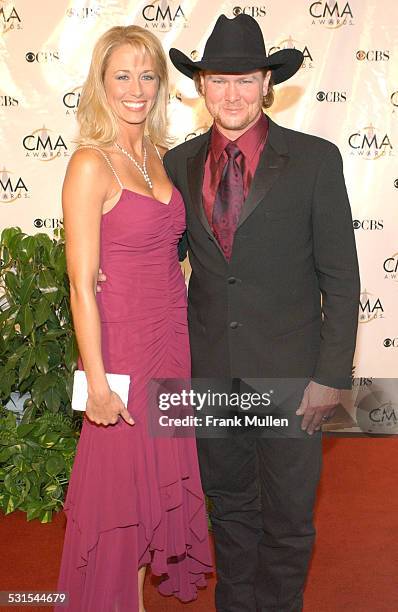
[355, 564]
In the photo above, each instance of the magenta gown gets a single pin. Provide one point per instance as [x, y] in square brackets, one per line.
[134, 499]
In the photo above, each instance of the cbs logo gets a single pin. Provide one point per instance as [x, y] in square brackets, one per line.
[253, 11]
[368, 224]
[331, 96]
[372, 56]
[49, 223]
[388, 342]
[42, 56]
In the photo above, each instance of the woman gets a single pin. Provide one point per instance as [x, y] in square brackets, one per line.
[133, 499]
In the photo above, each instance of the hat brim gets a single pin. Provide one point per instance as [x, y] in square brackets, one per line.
[284, 64]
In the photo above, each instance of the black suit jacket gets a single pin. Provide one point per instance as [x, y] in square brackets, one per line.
[260, 315]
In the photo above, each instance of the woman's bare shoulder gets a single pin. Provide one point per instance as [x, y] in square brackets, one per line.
[86, 167]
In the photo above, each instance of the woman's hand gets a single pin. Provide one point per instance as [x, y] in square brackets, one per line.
[105, 409]
[101, 278]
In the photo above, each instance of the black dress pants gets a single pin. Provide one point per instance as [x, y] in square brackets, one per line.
[262, 492]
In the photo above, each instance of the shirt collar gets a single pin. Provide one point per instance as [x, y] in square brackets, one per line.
[248, 143]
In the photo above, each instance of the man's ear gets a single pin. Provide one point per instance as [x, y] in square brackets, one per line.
[202, 84]
[266, 82]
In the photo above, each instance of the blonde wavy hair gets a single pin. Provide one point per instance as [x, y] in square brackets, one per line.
[268, 100]
[97, 121]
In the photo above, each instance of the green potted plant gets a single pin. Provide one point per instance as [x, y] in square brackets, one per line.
[38, 355]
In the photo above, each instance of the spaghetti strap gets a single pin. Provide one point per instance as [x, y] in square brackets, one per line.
[107, 159]
[157, 151]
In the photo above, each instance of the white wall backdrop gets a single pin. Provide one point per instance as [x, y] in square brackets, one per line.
[346, 91]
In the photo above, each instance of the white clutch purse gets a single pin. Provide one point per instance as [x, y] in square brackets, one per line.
[119, 383]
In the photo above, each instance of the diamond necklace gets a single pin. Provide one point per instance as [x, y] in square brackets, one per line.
[142, 168]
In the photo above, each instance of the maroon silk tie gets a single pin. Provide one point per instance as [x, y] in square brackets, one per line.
[229, 201]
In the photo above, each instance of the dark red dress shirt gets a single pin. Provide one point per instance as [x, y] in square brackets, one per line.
[251, 143]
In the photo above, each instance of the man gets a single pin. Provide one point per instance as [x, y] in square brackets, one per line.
[269, 233]
[273, 294]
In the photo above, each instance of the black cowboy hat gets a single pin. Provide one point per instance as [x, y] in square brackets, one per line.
[237, 45]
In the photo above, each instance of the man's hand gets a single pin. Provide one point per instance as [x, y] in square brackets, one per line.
[318, 405]
[101, 278]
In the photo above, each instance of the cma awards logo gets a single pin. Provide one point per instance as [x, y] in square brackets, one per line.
[84, 12]
[377, 407]
[331, 15]
[200, 129]
[390, 267]
[394, 102]
[370, 308]
[71, 100]
[378, 418]
[174, 96]
[385, 414]
[291, 43]
[164, 16]
[44, 146]
[9, 18]
[370, 143]
[12, 187]
[253, 11]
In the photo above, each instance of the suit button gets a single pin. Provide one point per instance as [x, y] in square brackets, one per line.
[232, 280]
[234, 324]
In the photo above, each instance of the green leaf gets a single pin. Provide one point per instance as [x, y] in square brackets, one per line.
[24, 429]
[59, 260]
[50, 438]
[10, 485]
[42, 358]
[55, 356]
[25, 319]
[33, 510]
[29, 414]
[71, 353]
[42, 311]
[11, 282]
[27, 362]
[27, 288]
[9, 314]
[47, 281]
[55, 465]
[5, 454]
[11, 504]
[18, 461]
[28, 245]
[8, 233]
[45, 516]
[7, 382]
[5, 255]
[42, 239]
[14, 244]
[52, 399]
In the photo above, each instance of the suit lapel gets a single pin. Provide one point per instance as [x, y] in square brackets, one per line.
[272, 161]
[196, 170]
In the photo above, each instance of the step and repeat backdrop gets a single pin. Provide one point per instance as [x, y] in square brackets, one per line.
[346, 91]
